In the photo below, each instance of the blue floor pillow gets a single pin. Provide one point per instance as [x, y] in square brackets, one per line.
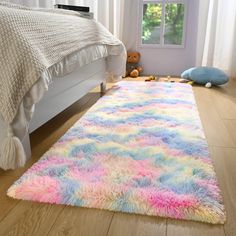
[205, 75]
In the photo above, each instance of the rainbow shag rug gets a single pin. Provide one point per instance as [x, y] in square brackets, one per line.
[140, 149]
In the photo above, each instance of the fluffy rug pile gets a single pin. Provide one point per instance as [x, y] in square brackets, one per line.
[139, 149]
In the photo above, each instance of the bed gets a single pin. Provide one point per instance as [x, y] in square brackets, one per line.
[59, 86]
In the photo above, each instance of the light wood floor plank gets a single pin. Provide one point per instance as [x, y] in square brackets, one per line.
[215, 130]
[226, 107]
[74, 221]
[29, 219]
[5, 183]
[228, 89]
[6, 204]
[188, 228]
[137, 225]
[231, 127]
[6, 207]
[225, 165]
[224, 99]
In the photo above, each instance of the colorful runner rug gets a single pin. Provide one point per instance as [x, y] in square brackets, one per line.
[140, 149]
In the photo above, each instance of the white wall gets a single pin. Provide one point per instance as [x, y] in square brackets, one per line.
[169, 61]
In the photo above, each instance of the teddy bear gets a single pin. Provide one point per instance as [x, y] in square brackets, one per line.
[132, 66]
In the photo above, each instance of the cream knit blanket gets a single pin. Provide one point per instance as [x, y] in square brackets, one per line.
[32, 40]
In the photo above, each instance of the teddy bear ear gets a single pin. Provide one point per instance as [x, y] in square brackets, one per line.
[139, 54]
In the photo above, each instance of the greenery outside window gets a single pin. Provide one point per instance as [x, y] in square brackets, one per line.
[163, 22]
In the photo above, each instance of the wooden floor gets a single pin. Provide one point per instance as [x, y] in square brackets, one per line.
[217, 107]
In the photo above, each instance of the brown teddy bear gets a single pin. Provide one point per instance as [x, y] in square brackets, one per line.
[132, 66]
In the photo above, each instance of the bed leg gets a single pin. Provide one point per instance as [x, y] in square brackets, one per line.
[103, 87]
[26, 144]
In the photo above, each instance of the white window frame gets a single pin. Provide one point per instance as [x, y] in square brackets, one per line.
[162, 44]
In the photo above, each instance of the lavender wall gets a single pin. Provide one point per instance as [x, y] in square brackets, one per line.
[169, 61]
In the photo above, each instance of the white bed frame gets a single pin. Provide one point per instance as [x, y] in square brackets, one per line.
[63, 92]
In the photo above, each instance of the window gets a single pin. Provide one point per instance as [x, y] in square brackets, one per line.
[163, 22]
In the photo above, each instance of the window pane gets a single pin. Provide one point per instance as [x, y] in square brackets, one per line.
[151, 24]
[174, 22]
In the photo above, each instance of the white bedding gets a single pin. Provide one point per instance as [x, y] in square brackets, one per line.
[115, 65]
[33, 40]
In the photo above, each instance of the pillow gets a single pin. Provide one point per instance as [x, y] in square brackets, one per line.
[205, 75]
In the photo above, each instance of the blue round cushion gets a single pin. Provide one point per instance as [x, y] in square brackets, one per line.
[203, 75]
